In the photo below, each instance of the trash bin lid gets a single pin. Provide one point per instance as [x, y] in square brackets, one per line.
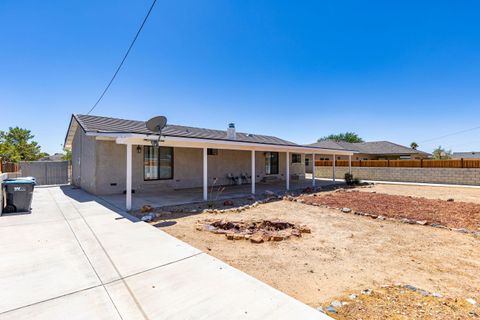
[18, 181]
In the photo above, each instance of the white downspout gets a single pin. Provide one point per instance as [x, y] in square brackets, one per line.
[350, 164]
[313, 170]
[253, 172]
[205, 174]
[128, 190]
[287, 169]
[334, 169]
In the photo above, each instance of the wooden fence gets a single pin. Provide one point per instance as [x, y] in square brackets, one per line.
[9, 167]
[423, 163]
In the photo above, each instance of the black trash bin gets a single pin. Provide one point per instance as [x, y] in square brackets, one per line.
[19, 194]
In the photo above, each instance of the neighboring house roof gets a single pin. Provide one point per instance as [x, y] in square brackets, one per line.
[98, 124]
[466, 155]
[54, 157]
[374, 147]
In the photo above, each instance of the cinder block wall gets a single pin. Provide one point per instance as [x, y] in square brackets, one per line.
[423, 175]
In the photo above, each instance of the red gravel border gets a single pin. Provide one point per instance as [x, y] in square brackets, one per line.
[450, 214]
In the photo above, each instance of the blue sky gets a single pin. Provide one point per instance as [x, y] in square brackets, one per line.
[389, 70]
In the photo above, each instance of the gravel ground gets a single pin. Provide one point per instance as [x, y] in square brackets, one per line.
[344, 253]
[451, 214]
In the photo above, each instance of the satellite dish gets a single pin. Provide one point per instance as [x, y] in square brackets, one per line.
[156, 124]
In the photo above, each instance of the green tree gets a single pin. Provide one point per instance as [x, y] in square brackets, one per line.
[16, 144]
[347, 137]
[441, 153]
[414, 145]
[67, 155]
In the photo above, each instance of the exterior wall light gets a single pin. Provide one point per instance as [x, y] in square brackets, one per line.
[139, 149]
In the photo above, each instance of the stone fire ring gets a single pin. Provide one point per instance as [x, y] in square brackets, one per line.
[257, 231]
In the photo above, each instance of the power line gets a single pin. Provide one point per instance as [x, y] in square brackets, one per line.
[451, 134]
[124, 57]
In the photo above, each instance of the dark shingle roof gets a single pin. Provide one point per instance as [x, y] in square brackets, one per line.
[99, 124]
[374, 147]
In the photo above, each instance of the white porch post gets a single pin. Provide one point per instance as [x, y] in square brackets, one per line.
[350, 164]
[128, 190]
[253, 172]
[313, 169]
[287, 170]
[205, 175]
[334, 169]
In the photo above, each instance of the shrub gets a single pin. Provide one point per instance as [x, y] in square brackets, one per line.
[350, 180]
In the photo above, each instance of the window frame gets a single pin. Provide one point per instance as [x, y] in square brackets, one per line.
[296, 158]
[158, 163]
[270, 163]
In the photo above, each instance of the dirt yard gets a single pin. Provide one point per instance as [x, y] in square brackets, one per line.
[444, 193]
[343, 254]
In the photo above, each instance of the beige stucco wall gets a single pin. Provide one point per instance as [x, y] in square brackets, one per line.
[102, 167]
[422, 175]
[83, 161]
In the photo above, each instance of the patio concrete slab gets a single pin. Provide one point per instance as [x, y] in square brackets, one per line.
[163, 198]
[87, 260]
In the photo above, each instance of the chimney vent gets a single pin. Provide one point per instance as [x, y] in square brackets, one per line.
[231, 133]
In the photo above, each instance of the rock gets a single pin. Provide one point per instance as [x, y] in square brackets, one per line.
[423, 292]
[353, 296]
[437, 295]
[367, 291]
[450, 199]
[346, 210]
[381, 218]
[331, 309]
[336, 303]
[304, 229]
[228, 203]
[148, 218]
[410, 287]
[237, 236]
[462, 230]
[422, 222]
[256, 238]
[269, 193]
[471, 301]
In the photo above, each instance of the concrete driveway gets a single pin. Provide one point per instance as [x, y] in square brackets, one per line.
[75, 257]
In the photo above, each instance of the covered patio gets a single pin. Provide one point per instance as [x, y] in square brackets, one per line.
[192, 195]
[158, 199]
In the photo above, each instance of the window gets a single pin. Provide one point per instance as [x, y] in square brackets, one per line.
[271, 162]
[307, 162]
[158, 163]
[212, 152]
[296, 158]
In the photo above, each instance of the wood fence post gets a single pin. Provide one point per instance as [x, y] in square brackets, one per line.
[461, 160]
[421, 163]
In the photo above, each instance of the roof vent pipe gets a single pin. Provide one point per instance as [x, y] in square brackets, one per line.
[231, 133]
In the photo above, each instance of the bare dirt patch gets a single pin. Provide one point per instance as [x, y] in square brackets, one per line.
[343, 254]
[452, 214]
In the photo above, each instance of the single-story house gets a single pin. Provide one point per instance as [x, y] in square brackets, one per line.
[466, 155]
[114, 156]
[374, 150]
